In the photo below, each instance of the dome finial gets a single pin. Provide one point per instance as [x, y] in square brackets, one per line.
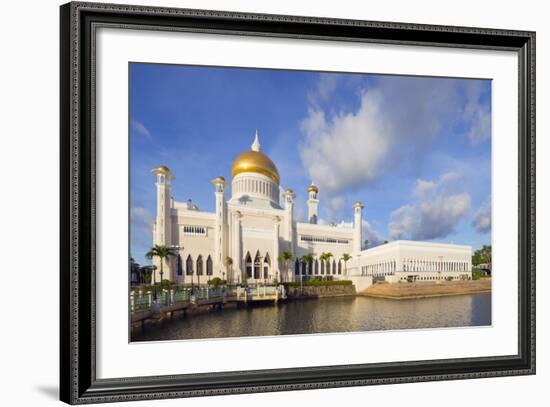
[256, 144]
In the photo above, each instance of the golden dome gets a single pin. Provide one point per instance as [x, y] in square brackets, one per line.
[312, 188]
[163, 169]
[255, 161]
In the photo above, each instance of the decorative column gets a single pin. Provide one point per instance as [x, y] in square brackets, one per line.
[219, 225]
[275, 261]
[312, 204]
[163, 222]
[237, 260]
[289, 218]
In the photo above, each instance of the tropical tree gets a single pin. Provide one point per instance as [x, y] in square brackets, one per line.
[162, 252]
[482, 256]
[286, 257]
[307, 258]
[326, 256]
[346, 257]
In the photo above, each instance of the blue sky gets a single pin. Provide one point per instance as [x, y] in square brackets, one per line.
[415, 150]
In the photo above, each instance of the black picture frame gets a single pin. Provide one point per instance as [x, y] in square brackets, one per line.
[78, 382]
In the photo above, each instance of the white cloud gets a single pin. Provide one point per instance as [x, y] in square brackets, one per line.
[335, 206]
[476, 115]
[139, 128]
[141, 220]
[436, 209]
[326, 86]
[482, 218]
[395, 122]
[373, 237]
[346, 150]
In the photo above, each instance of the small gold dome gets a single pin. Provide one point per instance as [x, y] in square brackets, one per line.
[163, 169]
[312, 188]
[255, 161]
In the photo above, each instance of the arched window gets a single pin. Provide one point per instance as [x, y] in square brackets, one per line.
[328, 266]
[257, 265]
[333, 266]
[189, 266]
[267, 265]
[199, 265]
[248, 265]
[179, 265]
[316, 266]
[310, 267]
[340, 267]
[209, 266]
[322, 267]
[297, 266]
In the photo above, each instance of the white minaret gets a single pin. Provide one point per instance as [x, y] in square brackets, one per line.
[219, 226]
[357, 227]
[289, 222]
[275, 263]
[289, 218]
[312, 203]
[163, 224]
[236, 244]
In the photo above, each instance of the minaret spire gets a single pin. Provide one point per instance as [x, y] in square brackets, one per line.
[256, 144]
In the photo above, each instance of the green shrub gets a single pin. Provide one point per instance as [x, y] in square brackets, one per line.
[216, 282]
[476, 274]
[165, 285]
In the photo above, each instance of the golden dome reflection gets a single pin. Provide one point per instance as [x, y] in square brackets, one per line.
[255, 161]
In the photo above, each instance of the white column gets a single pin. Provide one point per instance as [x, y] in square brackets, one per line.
[219, 225]
[237, 261]
[163, 222]
[275, 260]
[289, 219]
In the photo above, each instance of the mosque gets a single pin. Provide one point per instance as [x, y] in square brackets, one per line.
[246, 237]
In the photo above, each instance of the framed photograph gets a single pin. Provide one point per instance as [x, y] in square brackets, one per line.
[255, 203]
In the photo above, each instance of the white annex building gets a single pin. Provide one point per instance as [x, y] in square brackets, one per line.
[248, 231]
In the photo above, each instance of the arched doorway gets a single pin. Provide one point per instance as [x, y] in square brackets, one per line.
[257, 266]
[248, 265]
[267, 267]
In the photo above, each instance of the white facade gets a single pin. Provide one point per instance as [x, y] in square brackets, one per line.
[404, 260]
[244, 237]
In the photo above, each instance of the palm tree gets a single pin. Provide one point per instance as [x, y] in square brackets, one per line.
[162, 252]
[346, 257]
[325, 256]
[306, 259]
[229, 265]
[285, 257]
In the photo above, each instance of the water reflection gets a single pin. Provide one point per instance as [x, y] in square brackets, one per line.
[326, 315]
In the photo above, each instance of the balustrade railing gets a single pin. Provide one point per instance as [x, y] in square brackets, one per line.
[142, 300]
